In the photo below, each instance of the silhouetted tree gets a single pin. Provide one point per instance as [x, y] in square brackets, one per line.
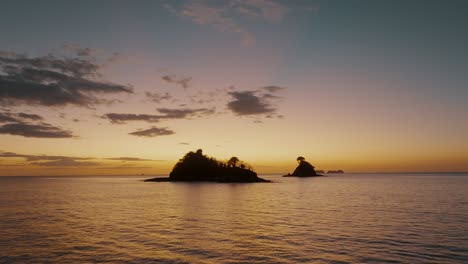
[300, 159]
[195, 166]
[232, 162]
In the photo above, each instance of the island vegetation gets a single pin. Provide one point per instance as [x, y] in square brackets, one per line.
[196, 167]
[304, 169]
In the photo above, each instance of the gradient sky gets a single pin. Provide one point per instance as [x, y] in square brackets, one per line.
[128, 87]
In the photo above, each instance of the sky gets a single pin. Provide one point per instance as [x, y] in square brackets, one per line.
[129, 87]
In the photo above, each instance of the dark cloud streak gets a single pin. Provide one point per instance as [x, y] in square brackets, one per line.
[42, 130]
[52, 81]
[153, 132]
[67, 161]
[116, 118]
[166, 114]
[30, 116]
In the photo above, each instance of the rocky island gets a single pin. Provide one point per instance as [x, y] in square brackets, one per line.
[304, 169]
[196, 167]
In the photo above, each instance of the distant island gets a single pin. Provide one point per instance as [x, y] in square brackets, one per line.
[335, 171]
[304, 169]
[197, 167]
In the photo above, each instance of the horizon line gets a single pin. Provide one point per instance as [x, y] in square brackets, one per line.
[166, 175]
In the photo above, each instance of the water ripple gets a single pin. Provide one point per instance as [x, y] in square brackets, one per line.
[341, 219]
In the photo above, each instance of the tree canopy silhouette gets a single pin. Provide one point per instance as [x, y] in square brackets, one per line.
[195, 166]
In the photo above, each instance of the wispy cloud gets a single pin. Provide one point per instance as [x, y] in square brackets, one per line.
[69, 161]
[227, 16]
[16, 117]
[42, 130]
[30, 116]
[116, 118]
[165, 114]
[269, 10]
[53, 81]
[153, 132]
[7, 117]
[157, 97]
[273, 88]
[51, 161]
[65, 162]
[37, 157]
[184, 82]
[30, 125]
[170, 113]
[130, 159]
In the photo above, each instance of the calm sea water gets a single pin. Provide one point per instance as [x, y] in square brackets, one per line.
[357, 218]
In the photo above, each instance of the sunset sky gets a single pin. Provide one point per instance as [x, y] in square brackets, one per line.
[129, 87]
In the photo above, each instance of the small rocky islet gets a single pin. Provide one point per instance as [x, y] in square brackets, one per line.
[304, 169]
[197, 167]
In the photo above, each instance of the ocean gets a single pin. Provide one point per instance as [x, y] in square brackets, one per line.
[348, 218]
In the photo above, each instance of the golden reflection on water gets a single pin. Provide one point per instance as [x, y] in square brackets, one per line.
[339, 219]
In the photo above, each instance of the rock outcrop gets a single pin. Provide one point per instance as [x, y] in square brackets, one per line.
[305, 169]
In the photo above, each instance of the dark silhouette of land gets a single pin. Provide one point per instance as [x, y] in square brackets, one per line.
[196, 167]
[304, 169]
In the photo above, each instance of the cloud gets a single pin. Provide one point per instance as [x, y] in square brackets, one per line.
[30, 116]
[184, 143]
[273, 89]
[248, 103]
[230, 16]
[42, 130]
[165, 114]
[46, 157]
[270, 11]
[116, 118]
[257, 102]
[7, 117]
[65, 162]
[53, 81]
[185, 113]
[126, 167]
[130, 159]
[205, 96]
[182, 81]
[153, 132]
[157, 98]
[15, 117]
[28, 125]
[219, 17]
[84, 52]
[44, 160]
[12, 155]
